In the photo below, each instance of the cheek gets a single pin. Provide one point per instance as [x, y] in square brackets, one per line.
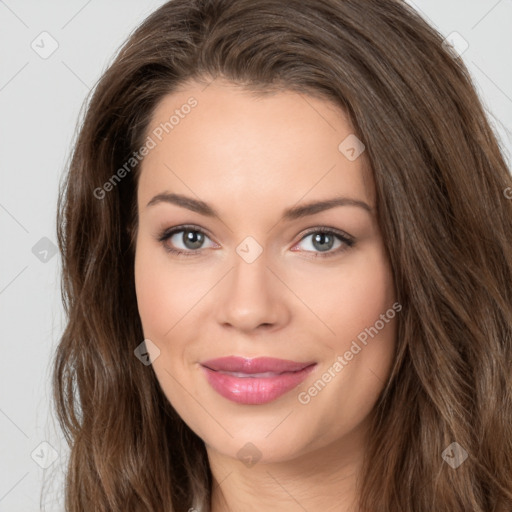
[359, 356]
[353, 299]
[156, 299]
[161, 296]
[366, 327]
[168, 292]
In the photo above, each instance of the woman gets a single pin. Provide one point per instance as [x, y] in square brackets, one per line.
[287, 262]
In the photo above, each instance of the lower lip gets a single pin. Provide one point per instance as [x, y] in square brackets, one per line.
[255, 390]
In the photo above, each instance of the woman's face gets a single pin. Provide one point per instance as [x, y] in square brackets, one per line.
[261, 275]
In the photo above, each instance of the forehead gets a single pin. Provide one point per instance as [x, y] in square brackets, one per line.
[222, 142]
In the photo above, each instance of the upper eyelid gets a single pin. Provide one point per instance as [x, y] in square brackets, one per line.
[166, 233]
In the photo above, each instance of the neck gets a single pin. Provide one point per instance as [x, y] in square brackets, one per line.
[321, 480]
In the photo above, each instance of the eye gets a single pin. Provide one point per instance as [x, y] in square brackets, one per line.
[326, 242]
[188, 241]
[184, 240]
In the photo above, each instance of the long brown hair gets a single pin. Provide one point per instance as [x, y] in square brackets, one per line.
[446, 222]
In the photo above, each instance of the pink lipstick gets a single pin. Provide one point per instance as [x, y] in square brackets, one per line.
[254, 381]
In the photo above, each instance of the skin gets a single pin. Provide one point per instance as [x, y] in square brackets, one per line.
[250, 158]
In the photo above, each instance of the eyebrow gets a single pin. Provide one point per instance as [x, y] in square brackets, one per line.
[295, 212]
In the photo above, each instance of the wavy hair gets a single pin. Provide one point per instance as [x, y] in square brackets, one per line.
[441, 182]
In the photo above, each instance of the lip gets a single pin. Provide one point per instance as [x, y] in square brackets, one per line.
[244, 381]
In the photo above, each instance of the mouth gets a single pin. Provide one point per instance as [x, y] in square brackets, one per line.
[254, 381]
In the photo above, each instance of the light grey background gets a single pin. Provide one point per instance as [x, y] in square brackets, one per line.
[40, 101]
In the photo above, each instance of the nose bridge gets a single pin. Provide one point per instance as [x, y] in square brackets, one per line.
[251, 295]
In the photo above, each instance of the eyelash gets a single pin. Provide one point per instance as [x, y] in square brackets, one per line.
[343, 237]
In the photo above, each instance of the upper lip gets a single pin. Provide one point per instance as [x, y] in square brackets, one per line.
[256, 365]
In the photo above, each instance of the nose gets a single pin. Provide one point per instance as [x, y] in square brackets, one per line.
[252, 297]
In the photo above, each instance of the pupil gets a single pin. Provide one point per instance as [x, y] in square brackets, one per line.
[192, 239]
[319, 241]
